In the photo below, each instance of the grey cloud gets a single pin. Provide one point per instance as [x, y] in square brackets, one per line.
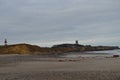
[48, 21]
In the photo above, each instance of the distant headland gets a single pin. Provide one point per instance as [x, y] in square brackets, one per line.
[55, 49]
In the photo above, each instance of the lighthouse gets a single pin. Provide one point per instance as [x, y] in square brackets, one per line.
[5, 42]
[76, 42]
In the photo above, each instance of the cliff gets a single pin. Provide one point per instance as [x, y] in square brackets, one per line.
[22, 49]
[56, 49]
[31, 49]
[78, 47]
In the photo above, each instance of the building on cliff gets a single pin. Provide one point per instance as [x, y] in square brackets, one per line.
[67, 45]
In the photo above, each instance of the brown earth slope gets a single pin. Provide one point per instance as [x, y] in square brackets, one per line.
[20, 49]
[33, 49]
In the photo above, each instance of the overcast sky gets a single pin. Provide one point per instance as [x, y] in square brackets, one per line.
[49, 22]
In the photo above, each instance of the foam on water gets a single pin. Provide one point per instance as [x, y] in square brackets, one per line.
[106, 53]
[117, 51]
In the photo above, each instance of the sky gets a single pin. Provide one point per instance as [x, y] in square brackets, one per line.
[49, 22]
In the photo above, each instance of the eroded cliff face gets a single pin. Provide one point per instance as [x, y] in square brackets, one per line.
[19, 49]
[33, 49]
[30, 49]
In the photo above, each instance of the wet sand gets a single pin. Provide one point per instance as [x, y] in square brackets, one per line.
[17, 67]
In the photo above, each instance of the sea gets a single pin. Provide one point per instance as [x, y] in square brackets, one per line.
[105, 53]
[74, 55]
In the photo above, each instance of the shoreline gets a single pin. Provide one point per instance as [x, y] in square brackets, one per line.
[26, 67]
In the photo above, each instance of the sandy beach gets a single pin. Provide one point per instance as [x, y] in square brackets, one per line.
[17, 67]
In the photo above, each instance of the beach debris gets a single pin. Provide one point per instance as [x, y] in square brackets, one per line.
[115, 56]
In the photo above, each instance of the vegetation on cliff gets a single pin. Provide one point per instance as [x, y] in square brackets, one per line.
[77, 47]
[56, 49]
[31, 49]
[18, 49]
